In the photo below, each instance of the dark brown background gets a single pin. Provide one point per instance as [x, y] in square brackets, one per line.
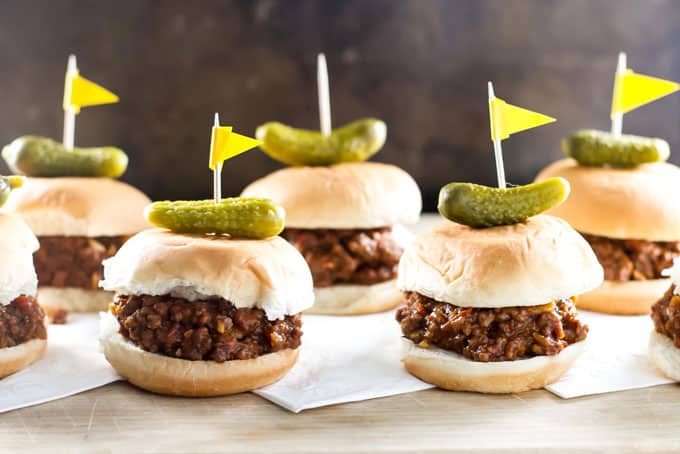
[421, 65]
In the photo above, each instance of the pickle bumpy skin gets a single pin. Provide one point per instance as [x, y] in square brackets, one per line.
[7, 184]
[482, 206]
[598, 148]
[355, 142]
[43, 157]
[243, 217]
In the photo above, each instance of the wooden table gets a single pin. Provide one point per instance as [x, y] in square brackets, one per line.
[120, 418]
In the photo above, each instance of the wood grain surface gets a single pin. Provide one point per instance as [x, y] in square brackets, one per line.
[120, 418]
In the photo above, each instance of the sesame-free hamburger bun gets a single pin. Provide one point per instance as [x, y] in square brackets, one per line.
[362, 195]
[639, 203]
[17, 278]
[267, 274]
[357, 195]
[78, 207]
[526, 264]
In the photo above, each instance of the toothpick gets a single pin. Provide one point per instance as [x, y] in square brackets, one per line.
[70, 111]
[324, 95]
[617, 119]
[217, 173]
[497, 149]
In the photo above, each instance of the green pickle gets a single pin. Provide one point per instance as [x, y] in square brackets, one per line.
[598, 148]
[481, 206]
[43, 157]
[7, 184]
[243, 217]
[354, 142]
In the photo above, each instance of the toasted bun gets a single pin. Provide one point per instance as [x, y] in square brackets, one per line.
[639, 203]
[526, 264]
[17, 245]
[72, 299]
[664, 355]
[343, 196]
[448, 370]
[623, 298]
[356, 299]
[180, 377]
[13, 359]
[269, 274]
[80, 207]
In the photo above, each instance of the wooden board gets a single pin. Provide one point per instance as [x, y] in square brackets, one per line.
[120, 418]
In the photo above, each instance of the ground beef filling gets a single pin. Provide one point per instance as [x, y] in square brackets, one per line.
[500, 334]
[65, 261]
[363, 257]
[666, 316]
[21, 321]
[212, 330]
[633, 260]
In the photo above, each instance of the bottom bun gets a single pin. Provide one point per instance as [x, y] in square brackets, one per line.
[624, 298]
[448, 370]
[180, 377]
[13, 359]
[664, 355]
[356, 299]
[71, 299]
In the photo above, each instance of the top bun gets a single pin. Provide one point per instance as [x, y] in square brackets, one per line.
[269, 274]
[527, 264]
[17, 245]
[88, 207]
[640, 203]
[342, 196]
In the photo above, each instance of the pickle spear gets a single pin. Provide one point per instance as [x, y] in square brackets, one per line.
[43, 157]
[6, 186]
[598, 148]
[243, 217]
[354, 142]
[482, 206]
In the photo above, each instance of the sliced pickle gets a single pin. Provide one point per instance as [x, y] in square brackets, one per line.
[481, 206]
[354, 142]
[43, 157]
[243, 217]
[7, 184]
[598, 148]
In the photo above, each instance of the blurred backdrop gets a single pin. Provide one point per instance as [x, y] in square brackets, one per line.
[421, 65]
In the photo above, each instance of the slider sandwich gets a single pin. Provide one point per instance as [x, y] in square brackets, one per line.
[23, 336]
[203, 307]
[664, 343]
[488, 295]
[346, 217]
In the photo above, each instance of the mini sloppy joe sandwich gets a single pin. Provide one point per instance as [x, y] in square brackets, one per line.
[208, 305]
[23, 336]
[344, 215]
[664, 342]
[80, 213]
[489, 294]
[623, 200]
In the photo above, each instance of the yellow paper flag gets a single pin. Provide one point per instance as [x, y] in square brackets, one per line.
[633, 90]
[80, 92]
[507, 119]
[226, 144]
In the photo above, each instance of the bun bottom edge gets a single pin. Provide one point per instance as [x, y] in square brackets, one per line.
[624, 298]
[180, 377]
[14, 359]
[664, 355]
[453, 372]
[356, 299]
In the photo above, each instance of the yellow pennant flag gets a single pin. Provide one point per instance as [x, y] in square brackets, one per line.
[226, 144]
[633, 90]
[507, 119]
[80, 92]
